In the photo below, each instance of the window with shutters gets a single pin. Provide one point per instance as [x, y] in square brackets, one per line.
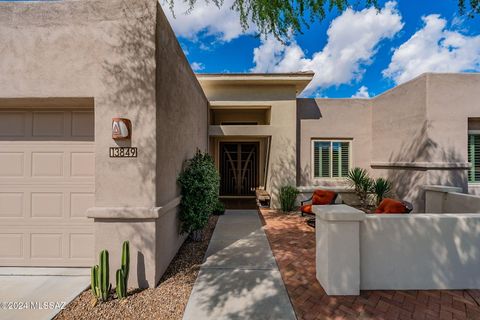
[474, 157]
[331, 158]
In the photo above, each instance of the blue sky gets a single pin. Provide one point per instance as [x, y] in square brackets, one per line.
[360, 52]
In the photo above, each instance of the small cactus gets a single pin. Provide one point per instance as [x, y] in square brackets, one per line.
[94, 281]
[120, 289]
[126, 261]
[103, 276]
[99, 278]
[122, 273]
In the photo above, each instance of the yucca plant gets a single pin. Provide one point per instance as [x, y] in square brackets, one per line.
[361, 183]
[288, 196]
[365, 188]
[381, 188]
[356, 177]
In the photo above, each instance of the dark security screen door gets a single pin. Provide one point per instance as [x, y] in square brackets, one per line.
[238, 168]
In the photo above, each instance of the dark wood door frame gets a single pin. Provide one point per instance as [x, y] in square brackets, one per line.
[239, 164]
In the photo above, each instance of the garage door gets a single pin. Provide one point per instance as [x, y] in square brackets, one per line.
[46, 184]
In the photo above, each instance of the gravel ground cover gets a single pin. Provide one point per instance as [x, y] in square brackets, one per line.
[166, 301]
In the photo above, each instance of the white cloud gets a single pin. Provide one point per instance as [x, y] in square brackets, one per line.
[362, 93]
[205, 17]
[434, 49]
[197, 66]
[352, 41]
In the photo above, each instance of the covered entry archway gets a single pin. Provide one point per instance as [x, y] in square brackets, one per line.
[239, 168]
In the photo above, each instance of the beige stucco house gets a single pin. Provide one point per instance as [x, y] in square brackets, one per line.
[422, 132]
[68, 191]
[68, 68]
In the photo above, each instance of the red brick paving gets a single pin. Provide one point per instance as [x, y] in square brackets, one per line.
[293, 244]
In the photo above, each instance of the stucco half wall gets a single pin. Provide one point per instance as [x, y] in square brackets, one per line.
[125, 56]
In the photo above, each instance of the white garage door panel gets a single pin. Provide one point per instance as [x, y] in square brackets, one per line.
[47, 168]
[47, 246]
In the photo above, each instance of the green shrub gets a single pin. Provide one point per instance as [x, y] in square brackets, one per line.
[219, 208]
[200, 184]
[381, 188]
[288, 196]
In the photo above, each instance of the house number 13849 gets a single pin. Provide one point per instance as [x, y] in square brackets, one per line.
[123, 152]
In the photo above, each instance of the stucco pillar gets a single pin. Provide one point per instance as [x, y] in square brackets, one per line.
[337, 233]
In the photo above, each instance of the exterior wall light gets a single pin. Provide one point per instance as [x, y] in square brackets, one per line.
[121, 129]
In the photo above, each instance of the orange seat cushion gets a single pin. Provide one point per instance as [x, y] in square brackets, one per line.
[319, 198]
[307, 208]
[391, 206]
[323, 197]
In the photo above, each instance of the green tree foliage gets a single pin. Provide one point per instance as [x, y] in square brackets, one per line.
[200, 184]
[282, 17]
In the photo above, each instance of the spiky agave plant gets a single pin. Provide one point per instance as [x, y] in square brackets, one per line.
[382, 188]
[356, 178]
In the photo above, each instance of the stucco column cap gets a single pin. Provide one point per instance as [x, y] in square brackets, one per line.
[123, 212]
[338, 212]
[441, 188]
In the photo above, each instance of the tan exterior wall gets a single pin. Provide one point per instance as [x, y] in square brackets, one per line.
[453, 99]
[335, 119]
[182, 129]
[399, 137]
[71, 49]
[124, 55]
[414, 134]
[281, 130]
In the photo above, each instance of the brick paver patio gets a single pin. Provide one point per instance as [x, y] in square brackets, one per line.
[293, 244]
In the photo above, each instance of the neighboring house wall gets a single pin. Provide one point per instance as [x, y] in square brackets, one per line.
[124, 56]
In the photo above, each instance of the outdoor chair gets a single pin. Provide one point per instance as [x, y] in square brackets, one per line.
[318, 198]
[391, 206]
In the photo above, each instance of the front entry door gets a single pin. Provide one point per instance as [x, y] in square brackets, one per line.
[238, 168]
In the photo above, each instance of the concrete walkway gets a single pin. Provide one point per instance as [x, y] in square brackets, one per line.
[239, 278]
[39, 293]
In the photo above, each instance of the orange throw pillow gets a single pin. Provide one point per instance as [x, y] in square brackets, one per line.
[323, 197]
[306, 208]
[391, 206]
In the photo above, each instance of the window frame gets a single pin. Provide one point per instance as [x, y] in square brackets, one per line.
[475, 133]
[331, 140]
